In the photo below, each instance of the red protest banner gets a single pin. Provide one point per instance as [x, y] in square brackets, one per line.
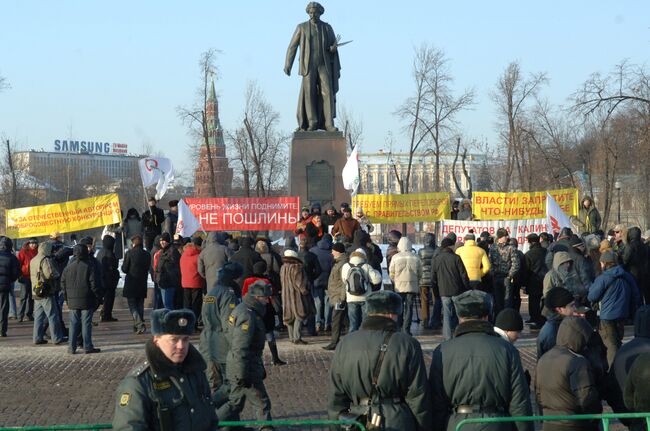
[278, 213]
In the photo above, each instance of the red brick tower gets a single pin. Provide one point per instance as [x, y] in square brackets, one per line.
[222, 173]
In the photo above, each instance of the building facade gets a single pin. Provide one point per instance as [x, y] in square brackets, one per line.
[222, 172]
[378, 172]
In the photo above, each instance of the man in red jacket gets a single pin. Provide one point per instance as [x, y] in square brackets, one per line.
[25, 256]
[191, 280]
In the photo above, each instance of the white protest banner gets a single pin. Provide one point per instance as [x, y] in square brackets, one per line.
[519, 229]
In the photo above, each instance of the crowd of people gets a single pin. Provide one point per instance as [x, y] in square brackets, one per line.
[238, 293]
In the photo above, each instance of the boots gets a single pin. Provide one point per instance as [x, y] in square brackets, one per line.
[274, 353]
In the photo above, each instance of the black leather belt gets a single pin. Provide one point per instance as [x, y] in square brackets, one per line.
[467, 410]
[395, 400]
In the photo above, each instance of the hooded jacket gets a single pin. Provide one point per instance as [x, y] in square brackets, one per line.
[109, 263]
[588, 219]
[559, 277]
[635, 256]
[78, 281]
[426, 254]
[616, 291]
[9, 265]
[448, 274]
[405, 268]
[625, 357]
[190, 277]
[212, 257]
[25, 256]
[475, 260]
[358, 258]
[44, 249]
[323, 251]
[564, 382]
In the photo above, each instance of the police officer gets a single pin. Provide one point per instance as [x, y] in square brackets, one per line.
[378, 374]
[220, 301]
[244, 366]
[169, 391]
[477, 373]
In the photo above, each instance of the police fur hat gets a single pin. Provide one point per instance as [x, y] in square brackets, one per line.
[384, 302]
[174, 322]
[473, 304]
[260, 288]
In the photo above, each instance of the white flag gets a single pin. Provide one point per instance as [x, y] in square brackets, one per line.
[159, 171]
[350, 172]
[187, 222]
[555, 217]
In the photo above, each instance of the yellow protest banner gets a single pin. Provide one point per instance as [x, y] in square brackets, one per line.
[63, 216]
[404, 208]
[521, 205]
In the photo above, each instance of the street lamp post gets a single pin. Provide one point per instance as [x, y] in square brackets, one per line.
[617, 186]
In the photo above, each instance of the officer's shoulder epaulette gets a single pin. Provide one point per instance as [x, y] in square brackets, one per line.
[140, 369]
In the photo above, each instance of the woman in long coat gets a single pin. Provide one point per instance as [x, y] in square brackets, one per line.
[297, 303]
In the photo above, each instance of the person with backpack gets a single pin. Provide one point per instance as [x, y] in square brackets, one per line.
[336, 293]
[358, 276]
[9, 273]
[44, 277]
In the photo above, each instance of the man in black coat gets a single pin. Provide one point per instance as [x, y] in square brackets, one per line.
[426, 295]
[635, 261]
[110, 276]
[477, 373]
[82, 296]
[168, 271]
[9, 273]
[625, 357]
[136, 267]
[246, 256]
[534, 279]
[449, 277]
[152, 222]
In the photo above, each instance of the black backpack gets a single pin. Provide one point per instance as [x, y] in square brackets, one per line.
[357, 282]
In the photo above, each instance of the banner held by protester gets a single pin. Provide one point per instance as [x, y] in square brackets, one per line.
[158, 171]
[521, 205]
[518, 229]
[63, 217]
[218, 214]
[405, 208]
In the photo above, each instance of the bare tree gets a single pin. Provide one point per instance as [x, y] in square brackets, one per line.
[512, 93]
[352, 127]
[259, 147]
[197, 117]
[626, 85]
[465, 172]
[429, 114]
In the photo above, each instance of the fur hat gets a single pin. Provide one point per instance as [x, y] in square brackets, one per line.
[558, 297]
[260, 267]
[338, 247]
[473, 304]
[501, 232]
[360, 253]
[509, 319]
[446, 242]
[532, 238]
[165, 237]
[86, 240]
[260, 288]
[384, 302]
[173, 203]
[290, 253]
[229, 272]
[175, 322]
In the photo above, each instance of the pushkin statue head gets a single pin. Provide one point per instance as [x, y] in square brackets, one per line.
[315, 10]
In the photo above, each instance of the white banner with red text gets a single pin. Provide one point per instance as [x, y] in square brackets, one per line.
[519, 229]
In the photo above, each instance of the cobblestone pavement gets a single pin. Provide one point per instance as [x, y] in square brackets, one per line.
[43, 385]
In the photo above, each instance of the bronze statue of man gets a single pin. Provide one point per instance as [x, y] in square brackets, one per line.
[320, 70]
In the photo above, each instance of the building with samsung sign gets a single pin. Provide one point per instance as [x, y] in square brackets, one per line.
[84, 158]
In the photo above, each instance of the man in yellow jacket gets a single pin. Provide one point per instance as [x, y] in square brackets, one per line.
[476, 261]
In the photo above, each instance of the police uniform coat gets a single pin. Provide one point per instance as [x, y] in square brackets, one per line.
[247, 337]
[402, 382]
[218, 304]
[183, 389]
[478, 369]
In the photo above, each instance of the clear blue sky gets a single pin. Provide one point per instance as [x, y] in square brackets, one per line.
[116, 71]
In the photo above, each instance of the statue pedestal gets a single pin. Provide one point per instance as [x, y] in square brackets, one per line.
[317, 160]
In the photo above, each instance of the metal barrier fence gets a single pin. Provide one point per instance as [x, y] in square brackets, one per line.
[304, 424]
[604, 418]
